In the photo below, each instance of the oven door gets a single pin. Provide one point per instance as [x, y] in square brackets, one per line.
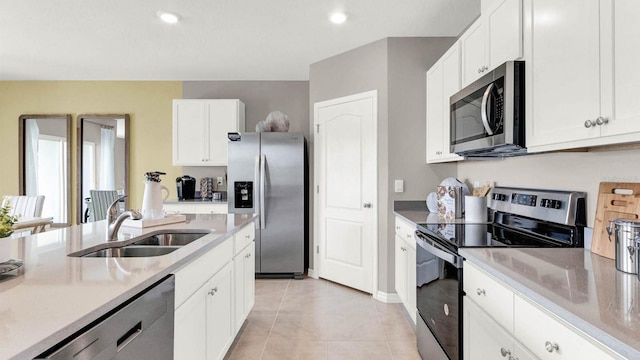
[439, 298]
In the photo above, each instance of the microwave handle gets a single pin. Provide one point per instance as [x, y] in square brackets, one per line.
[484, 110]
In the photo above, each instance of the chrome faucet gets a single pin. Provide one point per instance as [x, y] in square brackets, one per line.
[114, 220]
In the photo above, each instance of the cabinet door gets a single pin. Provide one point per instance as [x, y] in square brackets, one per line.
[483, 338]
[411, 304]
[620, 70]
[435, 116]
[562, 71]
[401, 269]
[244, 284]
[219, 317]
[188, 136]
[190, 327]
[450, 86]
[474, 61]
[223, 116]
[503, 26]
[178, 208]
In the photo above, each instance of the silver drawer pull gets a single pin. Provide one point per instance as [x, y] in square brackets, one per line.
[589, 123]
[504, 352]
[213, 291]
[480, 292]
[248, 236]
[551, 347]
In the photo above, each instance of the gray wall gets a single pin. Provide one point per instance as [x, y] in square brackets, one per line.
[396, 68]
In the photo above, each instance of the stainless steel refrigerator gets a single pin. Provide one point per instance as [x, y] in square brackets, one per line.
[266, 174]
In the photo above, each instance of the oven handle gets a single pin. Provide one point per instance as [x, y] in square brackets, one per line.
[438, 250]
[483, 108]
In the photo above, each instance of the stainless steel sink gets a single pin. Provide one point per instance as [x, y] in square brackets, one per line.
[170, 239]
[153, 244]
[133, 251]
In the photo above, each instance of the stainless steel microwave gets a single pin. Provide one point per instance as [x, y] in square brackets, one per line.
[487, 117]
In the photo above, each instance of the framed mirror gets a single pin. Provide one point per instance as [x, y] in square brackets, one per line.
[103, 163]
[45, 163]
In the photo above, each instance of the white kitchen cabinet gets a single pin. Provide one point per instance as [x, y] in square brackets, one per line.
[495, 317]
[200, 128]
[581, 73]
[485, 339]
[405, 267]
[203, 323]
[209, 293]
[244, 283]
[474, 53]
[195, 208]
[495, 37]
[443, 80]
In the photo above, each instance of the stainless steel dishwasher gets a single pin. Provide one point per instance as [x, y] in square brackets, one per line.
[141, 328]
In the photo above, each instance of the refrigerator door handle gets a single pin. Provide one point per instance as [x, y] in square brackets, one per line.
[263, 165]
[256, 189]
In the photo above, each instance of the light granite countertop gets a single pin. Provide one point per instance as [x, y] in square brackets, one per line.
[54, 295]
[579, 287]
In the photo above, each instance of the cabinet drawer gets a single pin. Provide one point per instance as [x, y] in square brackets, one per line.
[536, 329]
[178, 208]
[490, 295]
[405, 231]
[210, 208]
[192, 276]
[244, 237]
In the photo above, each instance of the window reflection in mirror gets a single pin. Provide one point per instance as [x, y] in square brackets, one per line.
[45, 163]
[103, 160]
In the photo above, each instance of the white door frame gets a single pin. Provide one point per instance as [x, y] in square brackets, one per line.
[373, 95]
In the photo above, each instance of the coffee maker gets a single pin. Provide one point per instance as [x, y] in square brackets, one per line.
[186, 186]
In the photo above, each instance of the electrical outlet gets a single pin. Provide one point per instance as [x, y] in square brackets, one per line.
[220, 180]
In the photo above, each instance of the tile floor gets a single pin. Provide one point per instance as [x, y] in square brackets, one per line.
[317, 319]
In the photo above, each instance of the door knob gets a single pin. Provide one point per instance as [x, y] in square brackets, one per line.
[366, 205]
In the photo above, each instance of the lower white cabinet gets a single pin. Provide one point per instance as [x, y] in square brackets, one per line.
[214, 294]
[500, 323]
[204, 323]
[405, 268]
[195, 208]
[485, 339]
[244, 279]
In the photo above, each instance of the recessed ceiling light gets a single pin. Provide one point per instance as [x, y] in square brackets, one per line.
[169, 18]
[338, 18]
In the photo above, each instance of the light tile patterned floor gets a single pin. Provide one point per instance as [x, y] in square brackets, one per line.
[317, 319]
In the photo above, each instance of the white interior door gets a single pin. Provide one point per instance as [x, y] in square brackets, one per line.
[346, 183]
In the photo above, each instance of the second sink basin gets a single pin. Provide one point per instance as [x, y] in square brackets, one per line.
[170, 239]
[132, 251]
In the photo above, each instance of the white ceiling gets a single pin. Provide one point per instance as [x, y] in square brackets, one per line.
[215, 40]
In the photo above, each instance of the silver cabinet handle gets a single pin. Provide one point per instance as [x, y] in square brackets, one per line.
[247, 236]
[504, 352]
[366, 205]
[397, 227]
[589, 123]
[213, 291]
[480, 292]
[551, 347]
[247, 256]
[409, 236]
[602, 121]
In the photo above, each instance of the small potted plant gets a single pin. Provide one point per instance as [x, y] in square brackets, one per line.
[6, 220]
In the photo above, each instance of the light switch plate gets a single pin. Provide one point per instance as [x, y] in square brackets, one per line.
[399, 186]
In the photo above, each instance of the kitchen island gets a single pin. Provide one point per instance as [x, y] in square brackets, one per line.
[53, 295]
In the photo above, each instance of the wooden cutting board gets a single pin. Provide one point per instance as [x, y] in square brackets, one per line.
[613, 204]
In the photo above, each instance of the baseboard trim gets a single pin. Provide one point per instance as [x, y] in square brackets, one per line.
[389, 298]
[311, 273]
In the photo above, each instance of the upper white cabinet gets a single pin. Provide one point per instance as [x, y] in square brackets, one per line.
[581, 73]
[491, 40]
[200, 130]
[443, 80]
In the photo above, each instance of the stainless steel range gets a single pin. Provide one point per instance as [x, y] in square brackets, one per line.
[521, 218]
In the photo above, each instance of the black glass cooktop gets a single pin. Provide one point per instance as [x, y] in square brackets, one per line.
[506, 231]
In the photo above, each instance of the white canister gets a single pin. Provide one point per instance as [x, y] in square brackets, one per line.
[475, 209]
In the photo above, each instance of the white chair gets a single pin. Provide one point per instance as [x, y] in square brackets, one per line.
[25, 206]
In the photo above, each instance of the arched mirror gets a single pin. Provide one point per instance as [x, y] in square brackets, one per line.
[45, 162]
[103, 163]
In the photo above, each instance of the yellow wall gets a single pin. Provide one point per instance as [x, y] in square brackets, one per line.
[147, 102]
